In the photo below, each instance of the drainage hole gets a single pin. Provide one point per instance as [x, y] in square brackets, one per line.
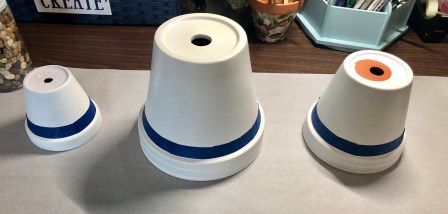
[201, 40]
[376, 71]
[48, 80]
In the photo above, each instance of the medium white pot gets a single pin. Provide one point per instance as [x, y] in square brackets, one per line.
[201, 120]
[60, 115]
[358, 124]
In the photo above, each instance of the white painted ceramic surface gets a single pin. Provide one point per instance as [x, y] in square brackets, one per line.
[54, 98]
[201, 96]
[362, 111]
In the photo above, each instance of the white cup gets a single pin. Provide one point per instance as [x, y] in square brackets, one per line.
[60, 115]
[358, 124]
[202, 118]
[432, 7]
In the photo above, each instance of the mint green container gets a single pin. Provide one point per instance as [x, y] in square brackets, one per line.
[350, 29]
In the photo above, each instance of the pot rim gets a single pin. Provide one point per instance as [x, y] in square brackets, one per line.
[276, 9]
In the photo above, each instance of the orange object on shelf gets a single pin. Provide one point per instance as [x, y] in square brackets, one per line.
[266, 6]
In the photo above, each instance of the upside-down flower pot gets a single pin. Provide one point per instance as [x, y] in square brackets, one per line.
[358, 124]
[59, 114]
[201, 120]
[272, 21]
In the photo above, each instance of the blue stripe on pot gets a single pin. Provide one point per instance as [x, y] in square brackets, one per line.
[64, 131]
[201, 152]
[348, 146]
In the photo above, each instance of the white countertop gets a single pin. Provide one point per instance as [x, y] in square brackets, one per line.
[110, 174]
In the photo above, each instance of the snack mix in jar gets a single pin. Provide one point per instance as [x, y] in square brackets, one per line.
[15, 62]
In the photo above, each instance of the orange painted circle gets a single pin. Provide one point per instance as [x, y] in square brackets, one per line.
[373, 70]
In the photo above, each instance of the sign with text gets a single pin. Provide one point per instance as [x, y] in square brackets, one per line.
[94, 7]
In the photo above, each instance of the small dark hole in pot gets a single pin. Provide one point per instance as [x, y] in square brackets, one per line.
[376, 71]
[48, 80]
[201, 40]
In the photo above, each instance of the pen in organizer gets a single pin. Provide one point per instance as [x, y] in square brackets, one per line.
[365, 4]
[373, 5]
[350, 3]
[380, 5]
[358, 4]
[341, 3]
[398, 3]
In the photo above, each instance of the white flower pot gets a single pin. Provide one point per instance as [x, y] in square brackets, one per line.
[358, 124]
[60, 115]
[201, 120]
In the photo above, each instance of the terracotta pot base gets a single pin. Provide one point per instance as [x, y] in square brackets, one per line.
[277, 9]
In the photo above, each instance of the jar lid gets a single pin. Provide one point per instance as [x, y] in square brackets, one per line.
[3, 5]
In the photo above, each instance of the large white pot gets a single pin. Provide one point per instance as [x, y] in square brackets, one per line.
[60, 115]
[201, 120]
[358, 124]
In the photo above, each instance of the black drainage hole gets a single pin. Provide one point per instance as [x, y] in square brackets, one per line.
[48, 80]
[201, 40]
[376, 71]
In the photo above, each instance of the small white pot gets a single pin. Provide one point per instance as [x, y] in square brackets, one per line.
[60, 115]
[201, 120]
[358, 125]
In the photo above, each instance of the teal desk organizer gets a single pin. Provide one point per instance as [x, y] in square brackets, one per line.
[348, 29]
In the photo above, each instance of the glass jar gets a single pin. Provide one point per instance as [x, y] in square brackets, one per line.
[15, 62]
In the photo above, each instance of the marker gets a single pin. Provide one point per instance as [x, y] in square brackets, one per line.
[341, 3]
[350, 3]
[366, 4]
[380, 5]
[358, 4]
[373, 5]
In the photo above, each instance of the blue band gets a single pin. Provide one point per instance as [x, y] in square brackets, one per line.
[201, 152]
[350, 147]
[64, 131]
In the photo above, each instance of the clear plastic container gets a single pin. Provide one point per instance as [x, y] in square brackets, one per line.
[15, 61]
